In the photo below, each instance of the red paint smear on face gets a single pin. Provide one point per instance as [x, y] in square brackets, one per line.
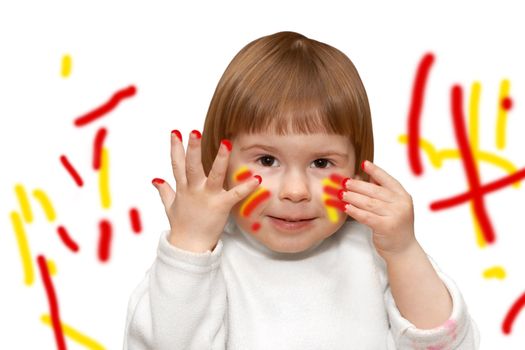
[506, 103]
[336, 204]
[414, 115]
[338, 179]
[134, 217]
[512, 314]
[256, 226]
[255, 202]
[97, 147]
[106, 107]
[469, 165]
[74, 174]
[104, 240]
[66, 239]
[243, 175]
[331, 190]
[53, 303]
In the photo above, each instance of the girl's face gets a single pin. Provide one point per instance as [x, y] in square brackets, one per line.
[296, 171]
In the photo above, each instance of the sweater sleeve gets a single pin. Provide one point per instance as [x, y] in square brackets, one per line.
[459, 332]
[181, 302]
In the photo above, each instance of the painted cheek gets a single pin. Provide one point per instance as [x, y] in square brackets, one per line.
[331, 187]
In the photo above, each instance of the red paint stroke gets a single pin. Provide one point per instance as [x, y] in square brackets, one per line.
[53, 302]
[467, 159]
[255, 202]
[65, 162]
[414, 115]
[336, 204]
[246, 174]
[331, 190]
[490, 187]
[97, 147]
[66, 239]
[338, 179]
[134, 217]
[506, 103]
[512, 314]
[256, 226]
[104, 242]
[106, 107]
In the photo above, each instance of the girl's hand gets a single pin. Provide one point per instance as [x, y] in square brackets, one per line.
[199, 209]
[384, 206]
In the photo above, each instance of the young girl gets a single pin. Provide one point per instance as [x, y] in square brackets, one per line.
[284, 234]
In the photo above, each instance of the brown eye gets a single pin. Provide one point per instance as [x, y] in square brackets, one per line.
[266, 160]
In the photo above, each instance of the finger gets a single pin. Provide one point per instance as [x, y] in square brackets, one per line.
[368, 189]
[218, 170]
[242, 190]
[360, 201]
[381, 177]
[178, 163]
[167, 195]
[365, 217]
[194, 171]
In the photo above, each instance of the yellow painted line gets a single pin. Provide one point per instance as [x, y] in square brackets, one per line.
[23, 199]
[103, 178]
[501, 120]
[331, 212]
[66, 66]
[474, 117]
[495, 272]
[23, 247]
[51, 266]
[44, 201]
[74, 334]
[436, 157]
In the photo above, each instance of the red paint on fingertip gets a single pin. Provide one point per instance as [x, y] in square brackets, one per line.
[227, 143]
[258, 178]
[177, 133]
[345, 181]
[157, 181]
[197, 133]
[363, 164]
[340, 194]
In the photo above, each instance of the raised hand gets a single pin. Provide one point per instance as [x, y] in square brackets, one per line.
[198, 210]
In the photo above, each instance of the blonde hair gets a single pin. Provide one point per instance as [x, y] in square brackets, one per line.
[288, 83]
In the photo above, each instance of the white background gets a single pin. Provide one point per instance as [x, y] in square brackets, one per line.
[175, 53]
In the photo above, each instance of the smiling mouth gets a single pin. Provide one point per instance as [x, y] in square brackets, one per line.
[274, 217]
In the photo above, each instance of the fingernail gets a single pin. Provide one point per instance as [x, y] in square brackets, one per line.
[258, 178]
[157, 181]
[177, 133]
[227, 143]
[363, 164]
[196, 133]
[345, 181]
[340, 194]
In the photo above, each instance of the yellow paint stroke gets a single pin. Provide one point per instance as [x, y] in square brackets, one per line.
[331, 212]
[44, 201]
[239, 171]
[437, 157]
[23, 199]
[474, 117]
[103, 178]
[66, 66]
[74, 334]
[250, 198]
[23, 247]
[501, 121]
[495, 272]
[52, 267]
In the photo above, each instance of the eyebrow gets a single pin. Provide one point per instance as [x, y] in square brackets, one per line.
[316, 154]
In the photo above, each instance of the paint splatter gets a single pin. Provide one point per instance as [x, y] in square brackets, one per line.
[97, 147]
[71, 170]
[134, 217]
[23, 248]
[66, 239]
[512, 314]
[104, 243]
[66, 66]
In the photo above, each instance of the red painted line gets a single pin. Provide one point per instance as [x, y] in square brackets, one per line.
[243, 175]
[66, 239]
[256, 226]
[53, 302]
[65, 162]
[467, 159]
[490, 187]
[331, 190]
[336, 204]
[134, 217]
[414, 115]
[104, 242]
[106, 107]
[255, 202]
[512, 314]
[338, 179]
[97, 147]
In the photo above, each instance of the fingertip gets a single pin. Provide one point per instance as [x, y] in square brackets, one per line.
[258, 178]
[177, 133]
[363, 164]
[157, 181]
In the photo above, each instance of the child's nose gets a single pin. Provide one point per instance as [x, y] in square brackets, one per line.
[294, 187]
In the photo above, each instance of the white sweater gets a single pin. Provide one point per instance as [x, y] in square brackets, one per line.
[243, 295]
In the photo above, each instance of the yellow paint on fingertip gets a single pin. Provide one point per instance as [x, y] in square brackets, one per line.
[501, 120]
[23, 199]
[45, 203]
[103, 178]
[66, 66]
[74, 334]
[23, 248]
[495, 272]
